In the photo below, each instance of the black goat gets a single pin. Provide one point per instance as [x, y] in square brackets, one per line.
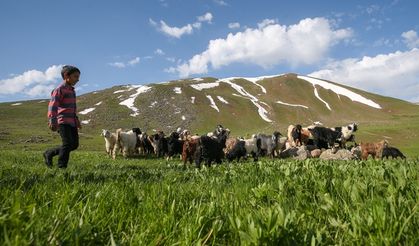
[392, 152]
[325, 137]
[174, 145]
[210, 149]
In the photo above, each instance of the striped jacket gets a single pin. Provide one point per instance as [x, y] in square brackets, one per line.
[62, 106]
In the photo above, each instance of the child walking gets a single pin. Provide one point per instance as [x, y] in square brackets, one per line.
[62, 117]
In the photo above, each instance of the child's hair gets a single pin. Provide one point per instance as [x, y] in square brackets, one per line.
[68, 69]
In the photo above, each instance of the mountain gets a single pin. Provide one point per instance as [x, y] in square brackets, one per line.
[245, 105]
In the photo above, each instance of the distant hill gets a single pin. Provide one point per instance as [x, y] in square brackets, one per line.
[245, 105]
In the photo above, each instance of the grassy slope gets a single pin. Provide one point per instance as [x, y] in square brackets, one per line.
[397, 121]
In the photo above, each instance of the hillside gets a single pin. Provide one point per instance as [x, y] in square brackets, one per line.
[245, 105]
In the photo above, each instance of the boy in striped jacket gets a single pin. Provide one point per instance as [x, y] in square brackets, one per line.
[62, 117]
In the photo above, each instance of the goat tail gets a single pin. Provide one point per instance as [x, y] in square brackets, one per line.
[118, 136]
[117, 142]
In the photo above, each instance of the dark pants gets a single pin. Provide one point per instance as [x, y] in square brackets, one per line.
[70, 137]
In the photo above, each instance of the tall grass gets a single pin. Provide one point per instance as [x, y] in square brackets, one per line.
[136, 201]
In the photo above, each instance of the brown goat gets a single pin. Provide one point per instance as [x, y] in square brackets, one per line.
[373, 149]
[189, 149]
[230, 142]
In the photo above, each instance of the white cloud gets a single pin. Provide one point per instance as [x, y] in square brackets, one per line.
[220, 2]
[125, 64]
[207, 17]
[178, 32]
[134, 61]
[394, 74]
[266, 22]
[152, 22]
[384, 42]
[304, 43]
[411, 39]
[159, 52]
[234, 25]
[170, 70]
[40, 90]
[197, 25]
[32, 83]
[117, 64]
[175, 31]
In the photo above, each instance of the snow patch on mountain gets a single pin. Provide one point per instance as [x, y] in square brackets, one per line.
[86, 111]
[222, 99]
[130, 101]
[153, 104]
[261, 110]
[213, 105]
[255, 79]
[316, 93]
[177, 90]
[292, 105]
[340, 91]
[203, 86]
[119, 91]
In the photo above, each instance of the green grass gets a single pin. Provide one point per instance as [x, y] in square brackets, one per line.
[141, 202]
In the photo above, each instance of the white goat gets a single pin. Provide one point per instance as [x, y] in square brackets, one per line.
[251, 146]
[127, 141]
[110, 140]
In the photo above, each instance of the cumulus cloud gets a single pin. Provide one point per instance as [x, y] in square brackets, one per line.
[234, 25]
[178, 32]
[266, 22]
[125, 64]
[270, 44]
[411, 39]
[394, 74]
[207, 17]
[32, 83]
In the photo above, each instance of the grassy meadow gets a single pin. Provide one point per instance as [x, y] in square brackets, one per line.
[98, 201]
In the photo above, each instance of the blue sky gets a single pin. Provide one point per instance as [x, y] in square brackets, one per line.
[371, 45]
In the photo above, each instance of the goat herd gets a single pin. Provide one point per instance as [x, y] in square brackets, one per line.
[306, 142]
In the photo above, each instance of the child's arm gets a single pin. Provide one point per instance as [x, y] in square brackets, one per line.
[53, 109]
